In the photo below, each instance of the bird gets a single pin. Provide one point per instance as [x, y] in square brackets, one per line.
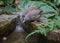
[32, 15]
[30, 8]
[27, 11]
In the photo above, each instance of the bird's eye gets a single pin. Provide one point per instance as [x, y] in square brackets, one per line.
[23, 16]
[28, 5]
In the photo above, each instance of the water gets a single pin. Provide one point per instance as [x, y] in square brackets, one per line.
[19, 35]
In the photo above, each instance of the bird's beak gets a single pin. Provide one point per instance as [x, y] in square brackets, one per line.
[23, 21]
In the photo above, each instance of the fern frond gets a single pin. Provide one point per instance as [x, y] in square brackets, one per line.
[36, 31]
[51, 4]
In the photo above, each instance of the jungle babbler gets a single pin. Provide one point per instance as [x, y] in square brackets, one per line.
[29, 21]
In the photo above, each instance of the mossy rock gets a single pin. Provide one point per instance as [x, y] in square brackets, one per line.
[29, 27]
[52, 37]
[7, 24]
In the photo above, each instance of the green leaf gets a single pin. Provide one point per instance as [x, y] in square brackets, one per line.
[48, 9]
[36, 31]
[57, 2]
[23, 3]
[58, 21]
[51, 25]
[49, 15]
[8, 1]
[43, 31]
[36, 3]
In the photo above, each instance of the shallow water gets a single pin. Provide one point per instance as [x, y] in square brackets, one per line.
[19, 35]
[16, 37]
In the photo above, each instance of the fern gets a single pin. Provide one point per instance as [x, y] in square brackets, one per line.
[55, 2]
[43, 28]
[8, 6]
[42, 31]
[51, 4]
[54, 19]
[36, 31]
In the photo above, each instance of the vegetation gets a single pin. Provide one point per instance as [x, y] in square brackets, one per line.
[53, 18]
[7, 6]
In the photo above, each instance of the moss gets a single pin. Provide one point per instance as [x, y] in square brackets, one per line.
[7, 26]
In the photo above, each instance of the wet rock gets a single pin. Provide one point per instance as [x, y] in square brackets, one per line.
[16, 37]
[19, 37]
[52, 37]
[29, 27]
[7, 24]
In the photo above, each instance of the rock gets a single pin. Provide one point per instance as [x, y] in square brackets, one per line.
[16, 37]
[19, 37]
[52, 37]
[29, 27]
[7, 24]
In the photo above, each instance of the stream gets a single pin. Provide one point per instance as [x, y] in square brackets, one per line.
[19, 35]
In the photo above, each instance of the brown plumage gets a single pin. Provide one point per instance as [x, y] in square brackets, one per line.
[28, 9]
[31, 13]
